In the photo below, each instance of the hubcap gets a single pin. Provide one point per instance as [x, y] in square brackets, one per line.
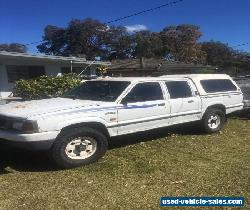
[81, 148]
[214, 121]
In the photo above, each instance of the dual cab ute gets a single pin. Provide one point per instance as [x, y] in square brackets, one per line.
[76, 127]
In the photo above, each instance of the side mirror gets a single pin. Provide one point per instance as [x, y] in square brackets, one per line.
[196, 93]
[124, 102]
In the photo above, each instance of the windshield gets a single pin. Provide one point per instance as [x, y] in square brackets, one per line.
[98, 90]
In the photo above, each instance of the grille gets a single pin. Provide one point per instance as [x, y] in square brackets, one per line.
[3, 121]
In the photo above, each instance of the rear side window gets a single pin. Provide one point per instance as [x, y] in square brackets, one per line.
[218, 85]
[178, 89]
[149, 91]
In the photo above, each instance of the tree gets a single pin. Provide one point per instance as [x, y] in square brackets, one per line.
[92, 38]
[135, 45]
[241, 62]
[147, 44]
[229, 60]
[81, 37]
[13, 47]
[120, 44]
[54, 41]
[181, 43]
[218, 53]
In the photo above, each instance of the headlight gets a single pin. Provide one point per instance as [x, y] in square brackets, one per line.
[25, 126]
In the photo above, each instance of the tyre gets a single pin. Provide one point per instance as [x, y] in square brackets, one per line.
[213, 120]
[78, 146]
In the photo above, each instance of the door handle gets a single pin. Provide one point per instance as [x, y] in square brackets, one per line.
[162, 104]
[191, 101]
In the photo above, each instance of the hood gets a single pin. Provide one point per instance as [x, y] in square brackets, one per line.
[39, 108]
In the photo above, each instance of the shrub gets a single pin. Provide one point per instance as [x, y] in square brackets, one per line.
[45, 86]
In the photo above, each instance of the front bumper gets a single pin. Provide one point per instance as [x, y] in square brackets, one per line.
[34, 141]
[246, 104]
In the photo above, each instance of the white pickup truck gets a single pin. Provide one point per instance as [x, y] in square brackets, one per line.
[77, 126]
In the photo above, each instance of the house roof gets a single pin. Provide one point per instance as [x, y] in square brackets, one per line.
[153, 64]
[52, 58]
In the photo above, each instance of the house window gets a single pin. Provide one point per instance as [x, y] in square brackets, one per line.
[218, 85]
[15, 72]
[179, 89]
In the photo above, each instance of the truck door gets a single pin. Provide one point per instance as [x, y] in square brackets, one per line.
[143, 108]
[185, 104]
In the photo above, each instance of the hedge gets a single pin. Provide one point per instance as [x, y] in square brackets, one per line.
[45, 86]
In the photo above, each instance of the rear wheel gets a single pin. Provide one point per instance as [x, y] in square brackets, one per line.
[213, 120]
[78, 146]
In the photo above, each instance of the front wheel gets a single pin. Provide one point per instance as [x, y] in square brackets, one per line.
[78, 146]
[213, 120]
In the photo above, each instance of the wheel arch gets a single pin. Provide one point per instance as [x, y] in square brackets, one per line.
[216, 106]
[94, 125]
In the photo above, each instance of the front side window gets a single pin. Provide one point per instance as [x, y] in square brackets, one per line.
[178, 89]
[98, 90]
[150, 91]
[218, 85]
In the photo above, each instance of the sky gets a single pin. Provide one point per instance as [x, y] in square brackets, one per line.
[228, 21]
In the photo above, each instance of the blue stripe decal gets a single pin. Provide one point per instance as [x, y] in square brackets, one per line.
[105, 109]
[137, 107]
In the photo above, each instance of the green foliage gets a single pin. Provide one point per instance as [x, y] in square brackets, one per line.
[13, 47]
[80, 38]
[93, 38]
[45, 86]
[226, 58]
[179, 43]
[147, 45]
[218, 53]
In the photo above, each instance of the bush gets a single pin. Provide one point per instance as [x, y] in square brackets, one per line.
[45, 86]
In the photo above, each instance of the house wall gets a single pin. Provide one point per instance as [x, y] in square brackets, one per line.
[6, 88]
[1, 78]
[51, 69]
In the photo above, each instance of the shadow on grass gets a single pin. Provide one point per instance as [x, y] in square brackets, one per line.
[185, 129]
[22, 160]
[242, 115]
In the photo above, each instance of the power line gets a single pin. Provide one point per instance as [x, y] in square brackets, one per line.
[129, 16]
[32, 43]
[145, 11]
[242, 44]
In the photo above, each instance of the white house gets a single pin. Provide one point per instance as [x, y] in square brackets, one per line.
[15, 66]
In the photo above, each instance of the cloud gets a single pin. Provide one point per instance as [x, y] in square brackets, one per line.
[135, 28]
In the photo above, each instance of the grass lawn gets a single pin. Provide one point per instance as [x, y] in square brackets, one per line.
[135, 172]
